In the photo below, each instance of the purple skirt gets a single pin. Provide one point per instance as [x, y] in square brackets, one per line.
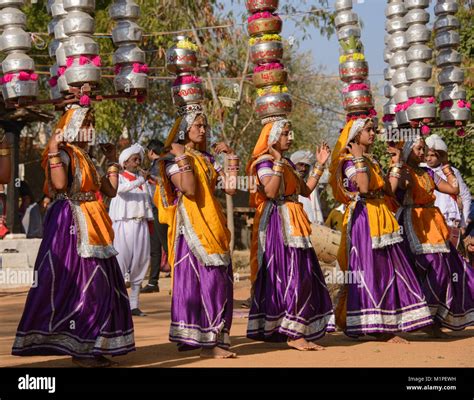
[202, 302]
[80, 306]
[383, 294]
[290, 300]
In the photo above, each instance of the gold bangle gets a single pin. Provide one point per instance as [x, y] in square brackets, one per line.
[5, 152]
[55, 160]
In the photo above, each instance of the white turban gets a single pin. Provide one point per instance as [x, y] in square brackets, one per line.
[435, 142]
[303, 156]
[130, 151]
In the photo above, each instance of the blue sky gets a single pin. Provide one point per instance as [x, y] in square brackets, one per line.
[326, 52]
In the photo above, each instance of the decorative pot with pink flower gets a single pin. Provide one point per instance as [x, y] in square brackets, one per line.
[275, 104]
[254, 6]
[269, 74]
[264, 22]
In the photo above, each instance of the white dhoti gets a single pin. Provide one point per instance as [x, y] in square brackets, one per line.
[132, 241]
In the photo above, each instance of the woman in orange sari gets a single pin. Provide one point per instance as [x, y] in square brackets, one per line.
[381, 296]
[80, 305]
[446, 278]
[198, 238]
[290, 302]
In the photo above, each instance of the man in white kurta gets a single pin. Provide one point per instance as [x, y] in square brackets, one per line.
[456, 216]
[130, 212]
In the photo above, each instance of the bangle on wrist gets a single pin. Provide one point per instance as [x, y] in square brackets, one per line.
[5, 152]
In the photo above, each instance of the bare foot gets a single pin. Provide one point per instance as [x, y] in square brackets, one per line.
[390, 338]
[435, 332]
[107, 360]
[302, 344]
[217, 352]
[95, 362]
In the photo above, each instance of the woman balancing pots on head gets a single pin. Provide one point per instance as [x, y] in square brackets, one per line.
[382, 296]
[80, 304]
[446, 278]
[290, 301]
[198, 239]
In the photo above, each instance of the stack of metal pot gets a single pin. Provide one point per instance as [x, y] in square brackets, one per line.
[19, 80]
[56, 10]
[397, 44]
[187, 90]
[454, 109]
[353, 69]
[421, 105]
[266, 52]
[81, 51]
[395, 22]
[129, 59]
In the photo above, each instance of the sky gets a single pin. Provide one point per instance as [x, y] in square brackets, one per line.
[326, 51]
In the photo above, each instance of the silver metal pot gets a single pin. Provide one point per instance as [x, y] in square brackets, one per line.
[15, 89]
[395, 9]
[452, 92]
[450, 75]
[399, 59]
[417, 16]
[52, 47]
[447, 39]
[124, 9]
[446, 7]
[402, 95]
[446, 22]
[12, 3]
[128, 80]
[421, 89]
[421, 111]
[126, 32]
[56, 8]
[266, 52]
[389, 107]
[81, 45]
[418, 34]
[399, 78]
[455, 114]
[347, 31]
[342, 5]
[273, 105]
[14, 62]
[180, 60]
[410, 4]
[347, 17]
[418, 70]
[388, 73]
[398, 41]
[86, 5]
[77, 75]
[59, 33]
[14, 38]
[448, 57]
[387, 55]
[393, 25]
[389, 90]
[128, 54]
[402, 118]
[419, 52]
[78, 22]
[63, 87]
[354, 71]
[187, 94]
[12, 16]
[357, 100]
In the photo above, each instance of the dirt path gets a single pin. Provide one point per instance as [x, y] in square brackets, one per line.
[154, 350]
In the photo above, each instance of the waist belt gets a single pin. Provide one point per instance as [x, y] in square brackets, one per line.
[81, 196]
[378, 194]
[292, 197]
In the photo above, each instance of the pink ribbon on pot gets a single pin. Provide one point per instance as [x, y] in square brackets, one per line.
[259, 15]
[388, 118]
[355, 86]
[22, 76]
[186, 80]
[268, 67]
[53, 81]
[140, 68]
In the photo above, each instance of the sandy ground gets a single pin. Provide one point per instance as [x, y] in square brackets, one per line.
[154, 350]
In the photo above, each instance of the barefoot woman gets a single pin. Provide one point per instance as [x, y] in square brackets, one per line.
[383, 297]
[80, 305]
[446, 278]
[290, 300]
[198, 239]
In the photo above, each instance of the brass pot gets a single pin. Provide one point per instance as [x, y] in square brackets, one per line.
[254, 6]
[265, 25]
[270, 78]
[266, 52]
[273, 104]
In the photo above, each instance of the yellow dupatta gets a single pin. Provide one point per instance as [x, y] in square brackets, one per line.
[200, 218]
[383, 227]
